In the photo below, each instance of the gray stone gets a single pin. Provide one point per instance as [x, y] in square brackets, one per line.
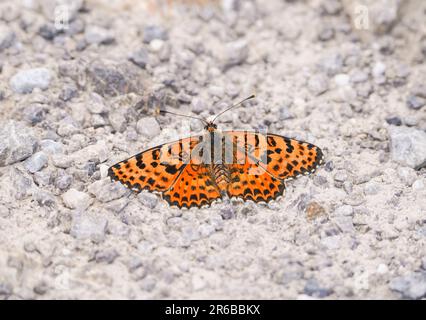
[148, 199]
[411, 286]
[85, 226]
[205, 230]
[25, 81]
[51, 146]
[41, 288]
[198, 105]
[104, 190]
[288, 273]
[36, 162]
[423, 264]
[117, 120]
[34, 113]
[67, 127]
[318, 84]
[384, 15]
[408, 146]
[227, 213]
[6, 289]
[44, 198]
[63, 181]
[345, 210]
[340, 177]
[284, 113]
[395, 121]
[16, 142]
[154, 32]
[98, 35]
[331, 7]
[190, 233]
[371, 188]
[314, 289]
[345, 224]
[148, 127]
[332, 64]
[42, 178]
[415, 102]
[48, 31]
[326, 34]
[92, 154]
[140, 58]
[418, 185]
[236, 53]
[75, 199]
[411, 121]
[68, 92]
[358, 76]
[378, 69]
[148, 283]
[7, 37]
[96, 104]
[110, 81]
[106, 256]
[22, 184]
[407, 175]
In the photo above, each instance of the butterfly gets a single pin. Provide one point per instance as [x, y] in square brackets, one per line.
[197, 170]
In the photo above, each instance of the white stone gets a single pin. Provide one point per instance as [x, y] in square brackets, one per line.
[36, 162]
[148, 127]
[75, 199]
[341, 79]
[25, 81]
[408, 146]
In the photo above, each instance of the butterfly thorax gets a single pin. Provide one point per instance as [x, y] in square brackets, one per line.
[217, 165]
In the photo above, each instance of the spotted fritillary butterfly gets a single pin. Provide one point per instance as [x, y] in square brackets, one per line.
[195, 171]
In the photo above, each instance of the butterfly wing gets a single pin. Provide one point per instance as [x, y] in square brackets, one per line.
[155, 169]
[264, 161]
[194, 187]
[249, 182]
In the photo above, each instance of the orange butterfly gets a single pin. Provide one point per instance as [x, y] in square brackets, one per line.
[195, 171]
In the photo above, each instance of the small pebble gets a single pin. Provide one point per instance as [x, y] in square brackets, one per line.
[415, 102]
[408, 146]
[236, 53]
[36, 162]
[154, 32]
[98, 35]
[148, 200]
[140, 58]
[85, 226]
[63, 181]
[148, 127]
[395, 121]
[318, 84]
[314, 210]
[25, 81]
[17, 142]
[75, 199]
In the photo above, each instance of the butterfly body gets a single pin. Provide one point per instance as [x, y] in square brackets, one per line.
[196, 171]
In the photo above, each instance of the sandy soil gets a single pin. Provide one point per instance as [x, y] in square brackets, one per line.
[80, 84]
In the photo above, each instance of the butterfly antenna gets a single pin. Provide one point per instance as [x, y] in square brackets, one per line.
[182, 115]
[233, 106]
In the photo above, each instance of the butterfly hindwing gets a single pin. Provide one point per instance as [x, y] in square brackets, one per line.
[155, 169]
[194, 188]
[252, 182]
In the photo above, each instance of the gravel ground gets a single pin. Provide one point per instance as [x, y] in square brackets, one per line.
[78, 96]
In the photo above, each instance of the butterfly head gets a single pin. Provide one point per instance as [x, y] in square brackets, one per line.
[210, 126]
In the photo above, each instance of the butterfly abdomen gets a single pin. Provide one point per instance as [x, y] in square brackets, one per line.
[221, 176]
